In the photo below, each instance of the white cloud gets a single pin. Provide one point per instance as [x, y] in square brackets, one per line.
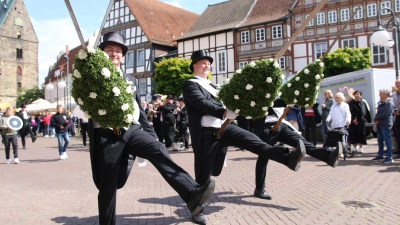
[53, 36]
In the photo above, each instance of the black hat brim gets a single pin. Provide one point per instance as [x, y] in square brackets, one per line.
[123, 47]
[200, 58]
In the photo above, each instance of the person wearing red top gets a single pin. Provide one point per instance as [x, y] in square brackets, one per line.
[46, 122]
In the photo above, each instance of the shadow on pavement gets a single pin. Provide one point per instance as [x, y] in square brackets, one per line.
[122, 219]
[40, 160]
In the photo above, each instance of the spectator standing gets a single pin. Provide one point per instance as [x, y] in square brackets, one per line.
[26, 125]
[311, 118]
[150, 114]
[360, 114]
[60, 122]
[71, 123]
[167, 120]
[339, 116]
[326, 107]
[9, 136]
[182, 124]
[46, 123]
[384, 120]
[157, 118]
[145, 107]
[84, 130]
[396, 115]
[34, 125]
[295, 118]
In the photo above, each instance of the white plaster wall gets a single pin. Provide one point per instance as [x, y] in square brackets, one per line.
[229, 38]
[196, 44]
[212, 41]
[180, 47]
[300, 63]
[204, 43]
[221, 39]
[299, 50]
[231, 60]
[188, 46]
[362, 41]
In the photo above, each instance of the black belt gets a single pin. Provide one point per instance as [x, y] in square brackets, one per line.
[209, 129]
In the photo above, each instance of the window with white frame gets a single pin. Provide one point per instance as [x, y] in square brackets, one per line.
[349, 43]
[344, 15]
[243, 64]
[282, 62]
[320, 49]
[260, 34]
[311, 23]
[221, 61]
[397, 5]
[371, 10]
[378, 54]
[129, 60]
[320, 18]
[358, 14]
[142, 86]
[140, 57]
[385, 5]
[332, 16]
[245, 37]
[276, 32]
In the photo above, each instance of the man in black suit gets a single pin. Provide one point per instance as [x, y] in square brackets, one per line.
[26, 126]
[112, 155]
[167, 120]
[182, 123]
[205, 118]
[286, 134]
[156, 118]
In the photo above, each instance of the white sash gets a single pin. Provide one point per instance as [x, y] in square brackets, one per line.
[208, 88]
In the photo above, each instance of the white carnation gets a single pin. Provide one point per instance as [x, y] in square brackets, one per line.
[129, 82]
[92, 95]
[322, 75]
[265, 108]
[289, 84]
[294, 100]
[297, 78]
[306, 71]
[296, 92]
[82, 54]
[252, 64]
[317, 76]
[128, 90]
[318, 60]
[317, 88]
[276, 65]
[116, 91]
[283, 76]
[321, 64]
[125, 107]
[106, 73]
[248, 117]
[227, 81]
[269, 80]
[91, 50]
[307, 99]
[80, 102]
[239, 71]
[236, 97]
[77, 74]
[87, 115]
[129, 118]
[268, 95]
[106, 55]
[270, 59]
[237, 111]
[249, 87]
[306, 105]
[102, 112]
[252, 104]
[306, 85]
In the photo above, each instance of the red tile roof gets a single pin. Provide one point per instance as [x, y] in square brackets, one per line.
[267, 10]
[161, 23]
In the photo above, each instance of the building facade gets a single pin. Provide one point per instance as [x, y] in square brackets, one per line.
[324, 28]
[18, 51]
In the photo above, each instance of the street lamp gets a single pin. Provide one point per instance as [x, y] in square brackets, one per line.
[381, 37]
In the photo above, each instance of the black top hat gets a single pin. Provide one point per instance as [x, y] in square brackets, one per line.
[114, 38]
[170, 97]
[180, 99]
[155, 97]
[199, 55]
[23, 105]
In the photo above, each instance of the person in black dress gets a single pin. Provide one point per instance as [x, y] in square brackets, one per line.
[360, 115]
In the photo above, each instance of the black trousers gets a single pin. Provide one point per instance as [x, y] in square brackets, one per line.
[141, 144]
[396, 130]
[27, 130]
[183, 134]
[231, 136]
[289, 137]
[84, 129]
[168, 133]
[8, 140]
[310, 124]
[158, 129]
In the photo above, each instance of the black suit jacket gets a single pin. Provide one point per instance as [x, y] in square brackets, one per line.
[126, 159]
[183, 117]
[167, 111]
[200, 102]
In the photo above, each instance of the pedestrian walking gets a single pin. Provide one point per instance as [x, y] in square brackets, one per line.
[9, 136]
[60, 122]
[26, 126]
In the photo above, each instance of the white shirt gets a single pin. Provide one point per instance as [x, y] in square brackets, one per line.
[207, 120]
[339, 115]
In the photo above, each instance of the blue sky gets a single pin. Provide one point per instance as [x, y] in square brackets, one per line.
[55, 30]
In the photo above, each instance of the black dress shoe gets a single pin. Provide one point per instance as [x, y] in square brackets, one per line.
[33, 139]
[261, 193]
[199, 196]
[335, 155]
[296, 156]
[199, 218]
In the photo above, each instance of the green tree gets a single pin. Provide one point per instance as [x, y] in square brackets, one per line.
[347, 60]
[29, 95]
[170, 74]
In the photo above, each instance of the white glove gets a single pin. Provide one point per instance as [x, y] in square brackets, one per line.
[231, 115]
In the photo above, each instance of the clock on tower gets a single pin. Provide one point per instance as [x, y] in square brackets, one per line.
[19, 21]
